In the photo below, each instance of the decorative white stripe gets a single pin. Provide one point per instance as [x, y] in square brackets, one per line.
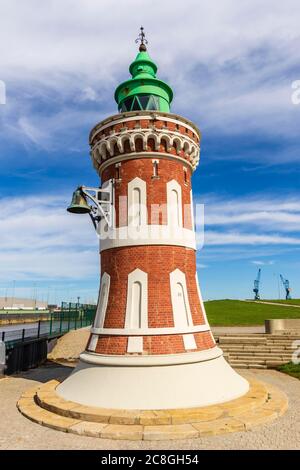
[149, 331]
[174, 204]
[189, 342]
[135, 344]
[180, 301]
[137, 200]
[93, 343]
[102, 301]
[137, 300]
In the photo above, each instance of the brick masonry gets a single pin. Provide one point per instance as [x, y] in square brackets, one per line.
[158, 261]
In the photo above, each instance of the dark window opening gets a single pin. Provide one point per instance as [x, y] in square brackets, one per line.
[136, 105]
[143, 99]
[185, 175]
[140, 102]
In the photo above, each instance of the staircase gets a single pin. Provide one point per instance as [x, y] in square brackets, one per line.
[259, 351]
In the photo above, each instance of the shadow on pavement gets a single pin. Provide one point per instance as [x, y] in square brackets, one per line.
[48, 371]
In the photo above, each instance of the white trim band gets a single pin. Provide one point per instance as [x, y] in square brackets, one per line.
[138, 155]
[150, 234]
[155, 360]
[149, 331]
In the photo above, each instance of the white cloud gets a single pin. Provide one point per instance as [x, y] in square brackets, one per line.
[238, 238]
[88, 94]
[39, 239]
[263, 263]
[269, 213]
[231, 68]
[261, 220]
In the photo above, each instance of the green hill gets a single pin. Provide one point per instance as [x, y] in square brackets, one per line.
[237, 312]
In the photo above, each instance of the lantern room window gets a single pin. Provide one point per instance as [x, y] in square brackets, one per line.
[139, 103]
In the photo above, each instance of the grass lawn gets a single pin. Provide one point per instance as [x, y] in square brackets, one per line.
[291, 301]
[290, 369]
[236, 312]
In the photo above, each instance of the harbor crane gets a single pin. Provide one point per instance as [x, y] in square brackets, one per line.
[286, 285]
[256, 285]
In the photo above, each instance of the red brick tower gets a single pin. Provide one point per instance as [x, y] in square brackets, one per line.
[150, 346]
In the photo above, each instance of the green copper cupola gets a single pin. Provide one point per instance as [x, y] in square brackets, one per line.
[143, 91]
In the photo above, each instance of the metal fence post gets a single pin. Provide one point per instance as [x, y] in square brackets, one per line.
[39, 329]
[23, 334]
[75, 326]
[60, 325]
[3, 335]
[50, 330]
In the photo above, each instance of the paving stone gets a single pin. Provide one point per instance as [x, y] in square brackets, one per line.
[220, 426]
[158, 417]
[57, 422]
[124, 417]
[86, 428]
[169, 432]
[88, 413]
[200, 414]
[118, 431]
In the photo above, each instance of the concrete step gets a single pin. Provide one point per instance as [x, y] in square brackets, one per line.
[259, 350]
[242, 365]
[288, 344]
[263, 356]
[257, 335]
[237, 340]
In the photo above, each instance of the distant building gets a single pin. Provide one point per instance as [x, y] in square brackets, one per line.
[15, 303]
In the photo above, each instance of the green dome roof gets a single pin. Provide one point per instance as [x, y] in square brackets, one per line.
[143, 90]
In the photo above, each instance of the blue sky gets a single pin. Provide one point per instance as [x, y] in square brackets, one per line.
[231, 65]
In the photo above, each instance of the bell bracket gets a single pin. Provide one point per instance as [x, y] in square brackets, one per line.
[103, 203]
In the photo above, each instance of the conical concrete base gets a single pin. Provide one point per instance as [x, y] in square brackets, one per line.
[153, 382]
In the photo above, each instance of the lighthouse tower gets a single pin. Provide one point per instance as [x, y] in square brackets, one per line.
[150, 346]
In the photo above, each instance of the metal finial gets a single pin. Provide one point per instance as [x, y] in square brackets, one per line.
[142, 39]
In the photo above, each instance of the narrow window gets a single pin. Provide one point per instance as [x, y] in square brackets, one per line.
[155, 168]
[137, 207]
[180, 303]
[175, 207]
[185, 175]
[117, 172]
[136, 303]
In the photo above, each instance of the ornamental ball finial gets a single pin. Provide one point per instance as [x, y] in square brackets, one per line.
[142, 39]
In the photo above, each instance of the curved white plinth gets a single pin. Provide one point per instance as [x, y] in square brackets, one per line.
[115, 384]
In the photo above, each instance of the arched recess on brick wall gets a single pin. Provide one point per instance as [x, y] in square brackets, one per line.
[174, 203]
[137, 300]
[137, 200]
[180, 302]
[102, 301]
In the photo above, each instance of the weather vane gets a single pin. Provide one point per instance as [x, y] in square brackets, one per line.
[142, 39]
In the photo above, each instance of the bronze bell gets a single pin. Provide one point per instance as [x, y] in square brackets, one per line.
[79, 203]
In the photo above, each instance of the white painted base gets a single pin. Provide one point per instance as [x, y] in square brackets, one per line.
[146, 387]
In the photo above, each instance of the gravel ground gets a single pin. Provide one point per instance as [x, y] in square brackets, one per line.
[17, 432]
